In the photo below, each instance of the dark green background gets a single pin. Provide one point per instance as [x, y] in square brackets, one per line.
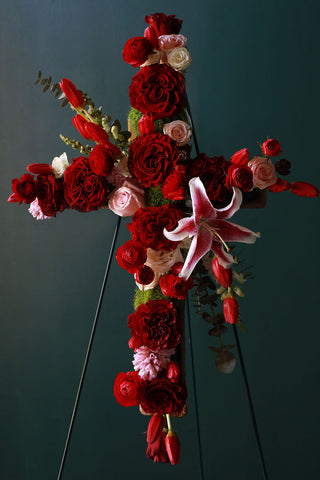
[255, 73]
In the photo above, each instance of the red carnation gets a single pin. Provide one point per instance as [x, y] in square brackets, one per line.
[137, 50]
[73, 95]
[129, 388]
[24, 189]
[175, 287]
[240, 177]
[155, 324]
[152, 158]
[271, 147]
[84, 190]
[148, 224]
[131, 256]
[157, 90]
[50, 195]
[102, 158]
[163, 396]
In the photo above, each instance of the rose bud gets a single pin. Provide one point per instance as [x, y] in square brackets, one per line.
[73, 95]
[173, 372]
[271, 147]
[230, 309]
[241, 157]
[304, 189]
[40, 168]
[155, 428]
[146, 125]
[222, 274]
[144, 275]
[173, 447]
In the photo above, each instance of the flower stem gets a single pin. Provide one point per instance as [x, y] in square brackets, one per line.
[168, 421]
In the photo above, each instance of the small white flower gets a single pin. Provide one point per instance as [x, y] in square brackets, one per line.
[179, 58]
[59, 165]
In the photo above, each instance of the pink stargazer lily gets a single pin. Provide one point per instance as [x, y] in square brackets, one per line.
[209, 228]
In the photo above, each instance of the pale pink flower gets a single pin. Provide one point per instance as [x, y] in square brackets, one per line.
[36, 211]
[127, 199]
[167, 42]
[264, 172]
[150, 363]
[161, 261]
[179, 131]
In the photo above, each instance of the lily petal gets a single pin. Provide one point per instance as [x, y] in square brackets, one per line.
[186, 227]
[231, 232]
[225, 259]
[233, 206]
[202, 207]
[200, 245]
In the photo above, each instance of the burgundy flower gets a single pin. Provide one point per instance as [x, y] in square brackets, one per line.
[84, 190]
[175, 287]
[152, 158]
[144, 275]
[157, 90]
[24, 189]
[173, 187]
[137, 50]
[73, 95]
[129, 388]
[240, 176]
[155, 324]
[131, 255]
[163, 396]
[50, 195]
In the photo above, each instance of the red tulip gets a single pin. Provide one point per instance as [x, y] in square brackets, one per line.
[40, 168]
[222, 274]
[73, 95]
[173, 372]
[280, 186]
[241, 157]
[173, 447]
[155, 428]
[146, 125]
[304, 189]
[230, 309]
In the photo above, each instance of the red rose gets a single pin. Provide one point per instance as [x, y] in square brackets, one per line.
[240, 177]
[83, 189]
[175, 287]
[173, 187]
[131, 256]
[162, 24]
[102, 158]
[129, 388]
[24, 189]
[163, 396]
[157, 90]
[50, 195]
[144, 275]
[271, 147]
[152, 158]
[148, 224]
[137, 50]
[73, 95]
[155, 324]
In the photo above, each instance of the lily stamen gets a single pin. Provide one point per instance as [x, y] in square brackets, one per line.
[214, 231]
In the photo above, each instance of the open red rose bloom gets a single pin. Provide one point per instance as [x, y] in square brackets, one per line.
[181, 205]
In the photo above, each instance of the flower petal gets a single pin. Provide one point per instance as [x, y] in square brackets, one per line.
[233, 206]
[225, 259]
[200, 245]
[231, 232]
[202, 207]
[186, 227]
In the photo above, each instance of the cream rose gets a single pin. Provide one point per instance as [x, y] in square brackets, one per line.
[161, 261]
[179, 58]
[179, 131]
[153, 58]
[126, 200]
[59, 165]
[264, 172]
[167, 42]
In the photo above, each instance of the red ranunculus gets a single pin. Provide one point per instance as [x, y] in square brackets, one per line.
[102, 158]
[83, 189]
[129, 388]
[148, 224]
[131, 255]
[50, 195]
[173, 187]
[158, 90]
[137, 50]
[240, 177]
[163, 396]
[24, 189]
[175, 287]
[155, 324]
[271, 147]
[73, 95]
[152, 158]
[162, 24]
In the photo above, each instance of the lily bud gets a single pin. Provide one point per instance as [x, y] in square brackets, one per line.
[241, 157]
[173, 447]
[155, 428]
[173, 372]
[230, 309]
[40, 168]
[222, 274]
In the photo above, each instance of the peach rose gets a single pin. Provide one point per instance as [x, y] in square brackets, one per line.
[161, 261]
[264, 172]
[179, 131]
[127, 199]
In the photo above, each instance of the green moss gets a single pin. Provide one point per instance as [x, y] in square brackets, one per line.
[134, 117]
[143, 297]
[154, 197]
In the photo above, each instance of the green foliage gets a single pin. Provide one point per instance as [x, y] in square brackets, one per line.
[154, 197]
[146, 295]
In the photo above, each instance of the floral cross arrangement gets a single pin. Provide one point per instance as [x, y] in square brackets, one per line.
[181, 206]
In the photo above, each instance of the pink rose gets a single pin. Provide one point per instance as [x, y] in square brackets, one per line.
[126, 200]
[179, 131]
[264, 172]
[166, 42]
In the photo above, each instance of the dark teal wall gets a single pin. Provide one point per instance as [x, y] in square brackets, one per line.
[255, 73]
